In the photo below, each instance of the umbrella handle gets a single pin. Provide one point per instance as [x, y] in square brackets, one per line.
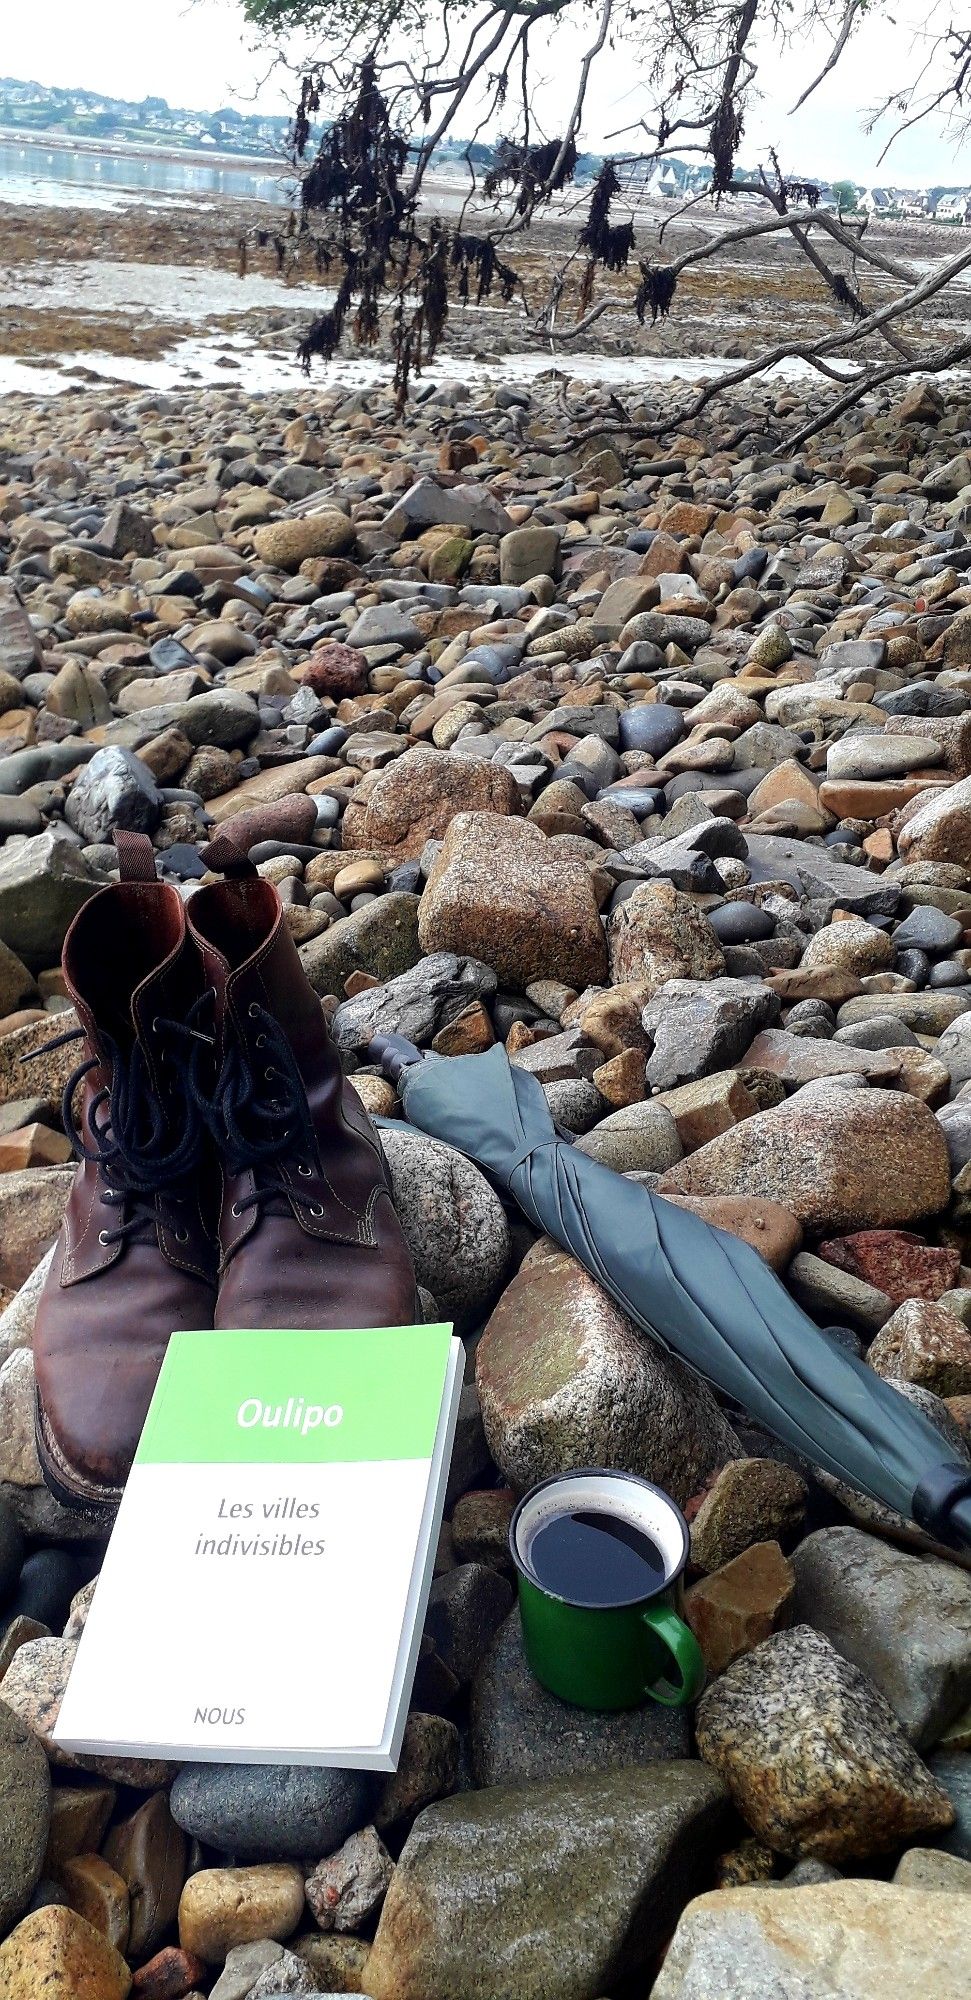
[394, 1053]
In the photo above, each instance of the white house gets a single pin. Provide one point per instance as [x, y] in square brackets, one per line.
[876, 201]
[664, 181]
[953, 207]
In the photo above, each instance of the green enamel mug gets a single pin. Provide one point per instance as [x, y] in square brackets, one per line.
[587, 1639]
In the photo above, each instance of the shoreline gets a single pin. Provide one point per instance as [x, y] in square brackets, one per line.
[67, 142]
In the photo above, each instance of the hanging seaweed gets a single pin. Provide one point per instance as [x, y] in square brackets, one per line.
[656, 290]
[724, 140]
[531, 170]
[477, 257]
[415, 338]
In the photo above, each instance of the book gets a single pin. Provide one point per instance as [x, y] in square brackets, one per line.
[265, 1586]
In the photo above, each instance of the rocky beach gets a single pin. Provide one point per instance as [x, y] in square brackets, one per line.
[649, 759]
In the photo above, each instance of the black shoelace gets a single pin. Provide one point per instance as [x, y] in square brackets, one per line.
[258, 1117]
[132, 1145]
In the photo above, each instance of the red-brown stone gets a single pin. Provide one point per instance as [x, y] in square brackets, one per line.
[170, 1975]
[897, 1262]
[335, 670]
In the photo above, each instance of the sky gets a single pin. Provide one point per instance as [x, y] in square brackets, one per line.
[199, 54]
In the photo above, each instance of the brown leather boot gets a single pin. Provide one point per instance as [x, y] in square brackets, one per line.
[308, 1233]
[135, 1258]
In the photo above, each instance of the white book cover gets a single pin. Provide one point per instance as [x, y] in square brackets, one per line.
[284, 1505]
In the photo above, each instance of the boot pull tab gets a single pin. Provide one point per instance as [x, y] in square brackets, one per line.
[136, 856]
[224, 857]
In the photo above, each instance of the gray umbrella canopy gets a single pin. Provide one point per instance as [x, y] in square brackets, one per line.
[703, 1293]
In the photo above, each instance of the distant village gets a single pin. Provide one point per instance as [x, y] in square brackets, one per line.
[34, 109]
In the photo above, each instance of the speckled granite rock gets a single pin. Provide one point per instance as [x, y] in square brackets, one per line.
[904, 1620]
[813, 1755]
[565, 1379]
[500, 891]
[831, 1156]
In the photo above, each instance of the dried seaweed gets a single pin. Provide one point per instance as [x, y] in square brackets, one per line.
[656, 290]
[533, 171]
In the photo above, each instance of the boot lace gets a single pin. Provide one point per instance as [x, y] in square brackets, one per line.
[131, 1145]
[256, 1116]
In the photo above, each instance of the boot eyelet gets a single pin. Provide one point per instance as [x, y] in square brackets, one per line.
[260, 1042]
[253, 1011]
[306, 1171]
[316, 1211]
[236, 1210]
[103, 1236]
[270, 1073]
[182, 1236]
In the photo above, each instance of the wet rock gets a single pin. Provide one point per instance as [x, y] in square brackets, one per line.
[595, 1867]
[904, 1620]
[566, 1380]
[813, 1755]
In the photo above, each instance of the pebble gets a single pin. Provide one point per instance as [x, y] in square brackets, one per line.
[222, 1907]
[258, 1810]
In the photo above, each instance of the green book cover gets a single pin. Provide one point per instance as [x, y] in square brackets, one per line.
[284, 1502]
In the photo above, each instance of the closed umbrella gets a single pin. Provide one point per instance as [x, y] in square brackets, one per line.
[703, 1293]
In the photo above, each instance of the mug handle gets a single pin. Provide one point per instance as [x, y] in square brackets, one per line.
[689, 1661]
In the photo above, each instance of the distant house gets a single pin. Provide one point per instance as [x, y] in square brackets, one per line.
[912, 201]
[953, 207]
[664, 181]
[876, 201]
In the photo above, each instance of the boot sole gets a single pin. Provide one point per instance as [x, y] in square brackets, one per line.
[98, 1504]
